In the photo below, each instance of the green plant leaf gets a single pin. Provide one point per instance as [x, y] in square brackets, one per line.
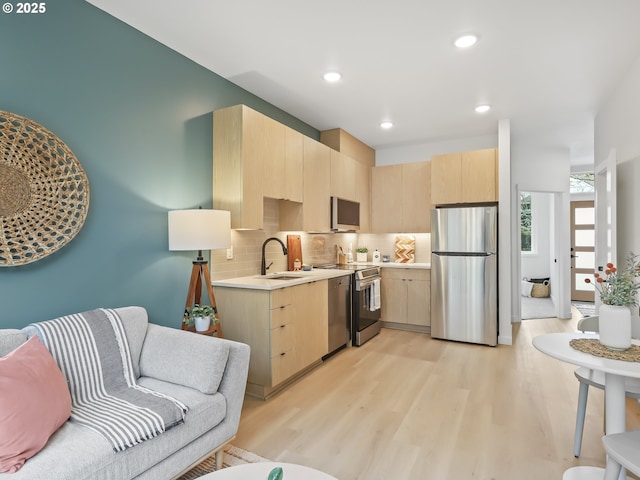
[276, 474]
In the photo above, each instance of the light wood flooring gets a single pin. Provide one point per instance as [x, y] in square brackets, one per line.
[404, 406]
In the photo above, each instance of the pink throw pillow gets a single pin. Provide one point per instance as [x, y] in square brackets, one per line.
[34, 403]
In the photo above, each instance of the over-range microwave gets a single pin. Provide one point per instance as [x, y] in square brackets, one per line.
[345, 215]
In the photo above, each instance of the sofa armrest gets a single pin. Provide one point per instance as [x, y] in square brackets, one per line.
[234, 383]
[186, 358]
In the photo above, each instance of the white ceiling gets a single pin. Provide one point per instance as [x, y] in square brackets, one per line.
[547, 65]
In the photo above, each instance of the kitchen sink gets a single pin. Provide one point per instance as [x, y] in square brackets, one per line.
[280, 277]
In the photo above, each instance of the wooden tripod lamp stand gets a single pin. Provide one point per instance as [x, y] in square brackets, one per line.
[200, 230]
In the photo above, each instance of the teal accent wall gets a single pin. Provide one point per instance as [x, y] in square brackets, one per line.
[138, 116]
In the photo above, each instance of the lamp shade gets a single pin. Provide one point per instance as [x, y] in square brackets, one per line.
[199, 229]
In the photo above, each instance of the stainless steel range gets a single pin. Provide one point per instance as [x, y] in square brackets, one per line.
[365, 301]
[365, 320]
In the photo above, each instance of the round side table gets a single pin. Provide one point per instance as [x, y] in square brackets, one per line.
[260, 471]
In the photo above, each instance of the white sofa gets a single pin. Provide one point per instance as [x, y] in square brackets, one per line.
[174, 362]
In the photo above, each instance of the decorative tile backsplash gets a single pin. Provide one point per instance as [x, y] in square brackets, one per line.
[316, 248]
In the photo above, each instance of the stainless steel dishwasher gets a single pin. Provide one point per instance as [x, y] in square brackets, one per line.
[339, 313]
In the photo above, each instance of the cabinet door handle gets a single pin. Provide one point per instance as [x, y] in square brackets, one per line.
[283, 354]
[282, 326]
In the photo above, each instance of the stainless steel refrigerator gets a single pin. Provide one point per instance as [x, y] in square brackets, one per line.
[464, 274]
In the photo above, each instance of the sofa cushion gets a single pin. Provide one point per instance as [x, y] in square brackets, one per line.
[134, 320]
[34, 403]
[10, 339]
[90, 457]
[184, 358]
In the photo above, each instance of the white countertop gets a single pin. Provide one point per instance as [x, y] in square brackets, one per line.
[260, 282]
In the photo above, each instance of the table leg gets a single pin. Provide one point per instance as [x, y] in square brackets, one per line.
[615, 408]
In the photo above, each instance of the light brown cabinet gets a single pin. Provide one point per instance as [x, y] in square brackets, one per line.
[271, 138]
[405, 296]
[363, 195]
[238, 139]
[316, 209]
[254, 157]
[466, 177]
[293, 165]
[287, 330]
[401, 200]
[314, 214]
[343, 176]
[386, 199]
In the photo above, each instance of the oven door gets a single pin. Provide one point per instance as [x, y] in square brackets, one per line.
[364, 314]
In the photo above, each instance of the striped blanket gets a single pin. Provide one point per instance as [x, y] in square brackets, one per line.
[92, 351]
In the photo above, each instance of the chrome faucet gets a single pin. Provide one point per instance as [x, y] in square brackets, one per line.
[263, 267]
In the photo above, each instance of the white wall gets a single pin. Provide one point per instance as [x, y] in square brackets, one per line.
[617, 126]
[617, 123]
[424, 151]
[537, 167]
[628, 200]
[537, 263]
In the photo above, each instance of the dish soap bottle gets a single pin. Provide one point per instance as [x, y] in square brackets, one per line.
[376, 256]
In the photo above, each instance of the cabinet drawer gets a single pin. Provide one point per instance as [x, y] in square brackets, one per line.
[281, 340]
[281, 316]
[282, 367]
[406, 273]
[280, 297]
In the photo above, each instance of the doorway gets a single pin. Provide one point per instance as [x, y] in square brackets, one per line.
[544, 256]
[583, 249]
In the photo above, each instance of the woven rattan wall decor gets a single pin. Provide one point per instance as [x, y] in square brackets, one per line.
[44, 192]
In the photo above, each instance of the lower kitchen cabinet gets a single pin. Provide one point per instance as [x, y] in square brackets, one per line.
[286, 328]
[405, 298]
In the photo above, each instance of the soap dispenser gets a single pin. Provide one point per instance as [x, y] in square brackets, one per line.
[376, 256]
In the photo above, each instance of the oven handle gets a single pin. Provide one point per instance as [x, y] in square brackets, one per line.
[364, 284]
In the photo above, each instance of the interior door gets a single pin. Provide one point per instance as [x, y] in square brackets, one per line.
[583, 243]
[606, 213]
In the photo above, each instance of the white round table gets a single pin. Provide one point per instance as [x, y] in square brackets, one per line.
[556, 345]
[260, 471]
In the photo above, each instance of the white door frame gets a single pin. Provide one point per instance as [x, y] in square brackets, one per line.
[606, 211]
[561, 247]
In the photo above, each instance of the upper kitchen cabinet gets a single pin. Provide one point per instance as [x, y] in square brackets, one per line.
[363, 195]
[314, 213]
[386, 199]
[416, 197]
[467, 177]
[238, 143]
[270, 139]
[254, 156]
[316, 205]
[293, 165]
[351, 166]
[344, 142]
[343, 176]
[400, 200]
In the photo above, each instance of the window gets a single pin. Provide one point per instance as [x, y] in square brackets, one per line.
[525, 222]
[582, 182]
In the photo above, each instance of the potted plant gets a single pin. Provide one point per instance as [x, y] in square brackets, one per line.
[618, 292]
[361, 254]
[201, 316]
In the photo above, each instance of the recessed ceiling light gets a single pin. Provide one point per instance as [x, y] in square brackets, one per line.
[465, 41]
[332, 76]
[386, 125]
[483, 108]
